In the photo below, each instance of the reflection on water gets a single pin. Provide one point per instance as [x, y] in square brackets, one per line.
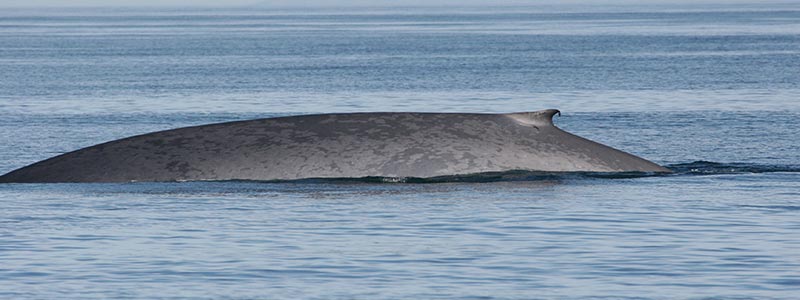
[609, 237]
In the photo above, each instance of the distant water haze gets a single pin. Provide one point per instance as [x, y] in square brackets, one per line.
[107, 60]
[370, 3]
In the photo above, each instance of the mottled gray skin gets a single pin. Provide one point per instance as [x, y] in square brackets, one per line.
[339, 145]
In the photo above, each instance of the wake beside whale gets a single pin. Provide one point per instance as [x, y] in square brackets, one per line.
[348, 145]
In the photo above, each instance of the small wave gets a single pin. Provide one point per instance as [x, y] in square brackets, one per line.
[506, 176]
[702, 167]
[696, 168]
[682, 169]
[773, 207]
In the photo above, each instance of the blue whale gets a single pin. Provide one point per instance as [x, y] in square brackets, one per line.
[348, 145]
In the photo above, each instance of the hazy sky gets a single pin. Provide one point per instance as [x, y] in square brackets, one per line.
[23, 3]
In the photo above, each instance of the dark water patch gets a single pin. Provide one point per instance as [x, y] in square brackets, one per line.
[795, 282]
[26, 274]
[681, 169]
[702, 167]
[84, 237]
[484, 177]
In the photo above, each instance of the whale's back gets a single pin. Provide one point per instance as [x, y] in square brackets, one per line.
[337, 146]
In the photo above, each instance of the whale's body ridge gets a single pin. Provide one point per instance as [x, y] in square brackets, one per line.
[342, 145]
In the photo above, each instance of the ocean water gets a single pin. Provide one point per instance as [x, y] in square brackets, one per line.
[712, 92]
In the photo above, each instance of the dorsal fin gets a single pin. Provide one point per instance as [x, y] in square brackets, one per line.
[536, 118]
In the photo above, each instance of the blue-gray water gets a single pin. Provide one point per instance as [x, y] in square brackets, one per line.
[712, 92]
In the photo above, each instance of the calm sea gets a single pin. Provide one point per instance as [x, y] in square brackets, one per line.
[712, 92]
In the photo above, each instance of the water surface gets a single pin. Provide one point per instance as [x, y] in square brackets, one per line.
[712, 92]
